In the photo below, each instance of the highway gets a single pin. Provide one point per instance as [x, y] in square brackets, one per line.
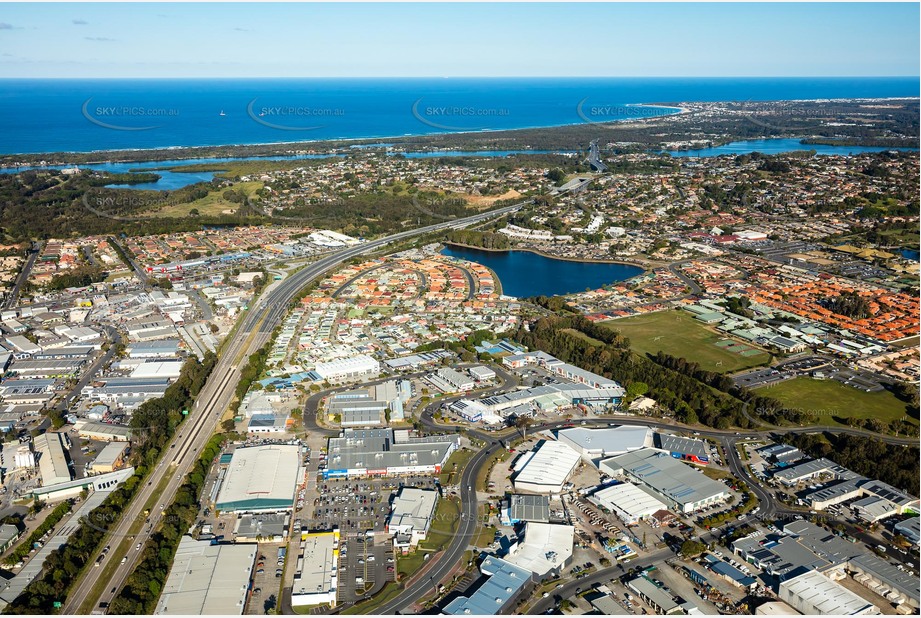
[215, 397]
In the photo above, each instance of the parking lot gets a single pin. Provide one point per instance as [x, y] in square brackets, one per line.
[356, 505]
[365, 565]
[266, 578]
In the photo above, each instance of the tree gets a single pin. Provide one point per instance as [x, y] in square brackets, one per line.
[637, 389]
[691, 548]
[522, 423]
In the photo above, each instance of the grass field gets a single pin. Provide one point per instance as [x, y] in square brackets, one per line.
[677, 333]
[455, 465]
[212, 204]
[826, 399]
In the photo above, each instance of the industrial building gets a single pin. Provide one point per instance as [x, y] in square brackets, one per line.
[811, 469]
[163, 368]
[662, 602]
[481, 374]
[806, 546]
[451, 381]
[360, 366]
[503, 584]
[593, 444]
[207, 579]
[103, 431]
[521, 507]
[260, 479]
[383, 452]
[110, 458]
[630, 503]
[545, 548]
[316, 577]
[814, 594]
[262, 527]
[545, 469]
[163, 348]
[910, 529]
[679, 485]
[411, 515]
[52, 461]
[558, 367]
[686, 449]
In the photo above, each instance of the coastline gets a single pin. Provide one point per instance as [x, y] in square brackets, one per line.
[348, 141]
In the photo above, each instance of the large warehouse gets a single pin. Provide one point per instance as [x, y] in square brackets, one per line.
[52, 462]
[814, 594]
[545, 548]
[629, 502]
[594, 444]
[207, 579]
[545, 470]
[260, 479]
[316, 576]
[383, 452]
[680, 485]
[348, 368]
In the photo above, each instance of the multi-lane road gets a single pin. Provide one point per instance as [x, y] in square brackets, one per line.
[253, 332]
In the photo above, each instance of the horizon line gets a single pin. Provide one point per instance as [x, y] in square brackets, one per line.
[65, 77]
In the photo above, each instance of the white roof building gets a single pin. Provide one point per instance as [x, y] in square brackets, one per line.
[260, 478]
[207, 579]
[606, 442]
[546, 470]
[158, 369]
[629, 502]
[546, 547]
[52, 463]
[317, 576]
[412, 512]
[814, 594]
[345, 368]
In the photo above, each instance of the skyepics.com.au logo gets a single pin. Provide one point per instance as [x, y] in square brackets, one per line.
[457, 117]
[126, 117]
[291, 117]
[604, 114]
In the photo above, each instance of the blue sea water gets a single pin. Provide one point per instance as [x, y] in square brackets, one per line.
[84, 115]
[523, 274]
[777, 146]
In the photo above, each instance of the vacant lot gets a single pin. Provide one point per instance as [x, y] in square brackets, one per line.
[212, 204]
[827, 399]
[677, 333]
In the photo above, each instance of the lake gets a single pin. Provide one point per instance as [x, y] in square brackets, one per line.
[777, 146]
[524, 274]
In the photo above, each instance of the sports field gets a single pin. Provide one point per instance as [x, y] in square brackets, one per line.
[826, 399]
[677, 333]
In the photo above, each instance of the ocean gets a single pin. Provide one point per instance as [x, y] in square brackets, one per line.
[84, 115]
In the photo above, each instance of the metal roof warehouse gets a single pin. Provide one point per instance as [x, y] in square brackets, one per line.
[680, 484]
[260, 478]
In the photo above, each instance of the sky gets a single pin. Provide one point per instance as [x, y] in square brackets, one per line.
[453, 40]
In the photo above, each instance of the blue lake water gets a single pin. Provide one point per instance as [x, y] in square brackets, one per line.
[911, 254]
[778, 146]
[524, 274]
[82, 115]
